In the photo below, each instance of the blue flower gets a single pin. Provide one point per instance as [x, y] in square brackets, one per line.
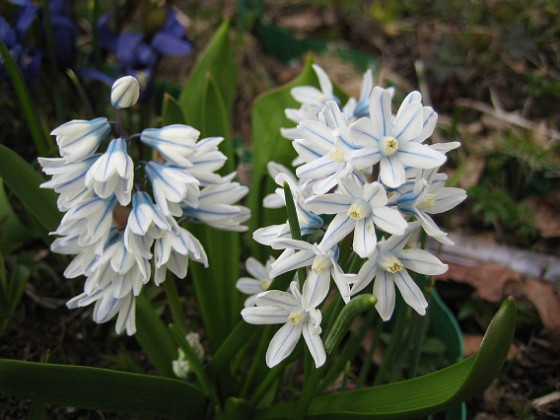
[139, 52]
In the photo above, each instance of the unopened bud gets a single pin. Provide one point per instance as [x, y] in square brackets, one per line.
[125, 92]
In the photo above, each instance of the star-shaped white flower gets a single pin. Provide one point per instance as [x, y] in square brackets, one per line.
[358, 207]
[388, 266]
[260, 282]
[428, 195]
[299, 315]
[396, 140]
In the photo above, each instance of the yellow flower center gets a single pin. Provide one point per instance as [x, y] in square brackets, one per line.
[359, 209]
[389, 146]
[427, 201]
[265, 283]
[297, 316]
[337, 156]
[320, 264]
[391, 264]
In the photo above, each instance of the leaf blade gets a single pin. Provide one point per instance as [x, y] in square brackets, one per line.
[101, 389]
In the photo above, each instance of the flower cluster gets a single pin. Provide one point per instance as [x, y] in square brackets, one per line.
[370, 173]
[123, 232]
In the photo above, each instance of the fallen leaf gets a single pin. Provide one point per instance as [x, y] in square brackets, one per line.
[471, 343]
[546, 301]
[489, 279]
[475, 165]
[546, 214]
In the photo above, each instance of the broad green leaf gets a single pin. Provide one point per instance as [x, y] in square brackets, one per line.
[444, 326]
[269, 145]
[24, 181]
[154, 337]
[215, 285]
[12, 232]
[101, 389]
[420, 396]
[219, 61]
[42, 140]
[171, 111]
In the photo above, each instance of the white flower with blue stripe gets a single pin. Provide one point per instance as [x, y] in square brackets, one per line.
[112, 173]
[300, 316]
[397, 140]
[387, 268]
[78, 139]
[359, 208]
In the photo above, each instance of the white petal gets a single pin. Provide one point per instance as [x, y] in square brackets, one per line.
[324, 81]
[422, 262]
[276, 298]
[314, 344]
[408, 123]
[421, 156]
[366, 274]
[255, 268]
[264, 315]
[447, 198]
[429, 123]
[410, 292]
[306, 94]
[392, 171]
[384, 291]
[365, 239]
[249, 286]
[319, 168]
[298, 260]
[283, 343]
[380, 112]
[315, 289]
[328, 203]
[390, 220]
[338, 229]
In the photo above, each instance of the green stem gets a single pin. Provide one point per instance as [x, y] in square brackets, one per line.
[265, 384]
[348, 352]
[377, 328]
[257, 361]
[421, 329]
[357, 305]
[394, 345]
[294, 225]
[174, 302]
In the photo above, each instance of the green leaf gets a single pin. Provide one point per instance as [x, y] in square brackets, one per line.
[154, 337]
[219, 61]
[24, 181]
[101, 389]
[424, 395]
[171, 111]
[13, 232]
[268, 144]
[42, 140]
[215, 285]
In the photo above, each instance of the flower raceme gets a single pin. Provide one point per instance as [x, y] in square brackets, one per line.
[121, 235]
[361, 171]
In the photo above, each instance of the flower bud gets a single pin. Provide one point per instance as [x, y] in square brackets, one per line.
[125, 92]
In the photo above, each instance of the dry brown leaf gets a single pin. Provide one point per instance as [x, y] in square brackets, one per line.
[493, 283]
[546, 301]
[489, 279]
[547, 219]
[474, 167]
[471, 343]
